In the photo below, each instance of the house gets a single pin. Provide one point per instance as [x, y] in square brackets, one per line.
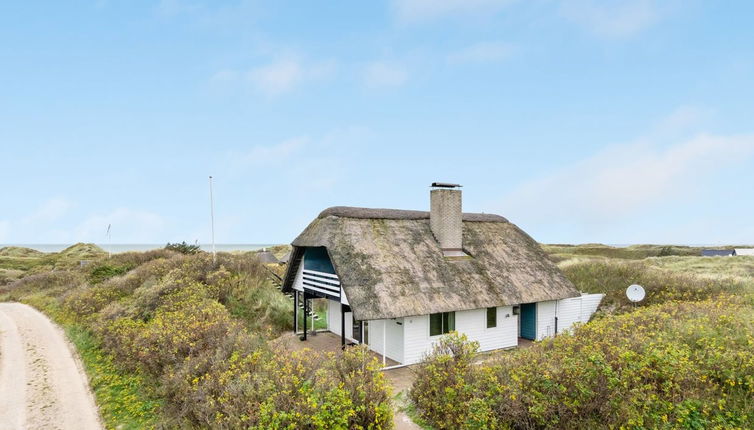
[744, 251]
[266, 257]
[718, 252]
[397, 280]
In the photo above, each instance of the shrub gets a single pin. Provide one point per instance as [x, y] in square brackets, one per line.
[443, 387]
[53, 282]
[675, 365]
[183, 248]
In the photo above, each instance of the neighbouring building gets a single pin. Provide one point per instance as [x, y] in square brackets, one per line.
[744, 251]
[397, 280]
[266, 257]
[718, 252]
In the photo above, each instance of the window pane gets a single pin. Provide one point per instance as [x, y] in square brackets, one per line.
[449, 322]
[435, 324]
[491, 317]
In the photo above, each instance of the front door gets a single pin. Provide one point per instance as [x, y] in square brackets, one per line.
[529, 321]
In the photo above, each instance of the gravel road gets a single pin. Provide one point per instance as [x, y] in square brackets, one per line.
[42, 383]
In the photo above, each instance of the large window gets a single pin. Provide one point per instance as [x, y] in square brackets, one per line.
[442, 323]
[491, 317]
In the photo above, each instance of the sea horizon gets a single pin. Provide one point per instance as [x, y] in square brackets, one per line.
[116, 248]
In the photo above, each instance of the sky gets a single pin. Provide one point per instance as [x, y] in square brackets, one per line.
[580, 121]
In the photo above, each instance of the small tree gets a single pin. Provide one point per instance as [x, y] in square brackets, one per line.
[183, 248]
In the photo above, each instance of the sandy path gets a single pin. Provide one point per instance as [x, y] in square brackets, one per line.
[42, 385]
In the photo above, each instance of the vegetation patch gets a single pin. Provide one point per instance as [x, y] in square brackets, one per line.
[612, 277]
[183, 341]
[126, 400]
[674, 365]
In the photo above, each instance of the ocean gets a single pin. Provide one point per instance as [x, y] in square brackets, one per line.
[126, 247]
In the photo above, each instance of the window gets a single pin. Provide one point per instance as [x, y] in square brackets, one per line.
[491, 317]
[442, 323]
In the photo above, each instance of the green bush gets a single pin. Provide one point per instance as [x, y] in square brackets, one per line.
[183, 248]
[675, 365]
[198, 329]
[444, 382]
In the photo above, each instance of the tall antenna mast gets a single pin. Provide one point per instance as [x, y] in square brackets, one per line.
[109, 242]
[212, 218]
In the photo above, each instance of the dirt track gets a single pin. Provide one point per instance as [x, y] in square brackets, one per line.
[42, 385]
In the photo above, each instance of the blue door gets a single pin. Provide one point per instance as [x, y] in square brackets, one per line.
[529, 321]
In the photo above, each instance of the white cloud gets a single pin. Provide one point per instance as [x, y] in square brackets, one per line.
[624, 180]
[615, 18]
[277, 77]
[281, 75]
[128, 226]
[273, 154]
[382, 74]
[408, 11]
[49, 211]
[483, 52]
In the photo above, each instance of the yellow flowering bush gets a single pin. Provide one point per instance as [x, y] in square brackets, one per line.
[199, 329]
[675, 365]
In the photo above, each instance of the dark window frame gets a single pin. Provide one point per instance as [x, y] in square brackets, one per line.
[446, 321]
[492, 317]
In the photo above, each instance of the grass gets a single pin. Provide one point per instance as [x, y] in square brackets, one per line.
[126, 400]
[31, 261]
[663, 278]
[740, 268]
[633, 252]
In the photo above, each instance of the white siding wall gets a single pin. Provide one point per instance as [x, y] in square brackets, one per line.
[415, 338]
[545, 319]
[589, 305]
[394, 338]
[333, 320]
[472, 323]
[569, 312]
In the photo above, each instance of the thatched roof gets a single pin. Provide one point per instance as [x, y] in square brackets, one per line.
[390, 264]
[267, 257]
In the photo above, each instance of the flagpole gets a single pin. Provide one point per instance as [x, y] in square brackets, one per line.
[109, 242]
[212, 218]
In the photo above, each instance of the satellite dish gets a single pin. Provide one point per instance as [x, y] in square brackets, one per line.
[635, 293]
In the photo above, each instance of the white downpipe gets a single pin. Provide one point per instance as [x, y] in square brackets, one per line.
[557, 303]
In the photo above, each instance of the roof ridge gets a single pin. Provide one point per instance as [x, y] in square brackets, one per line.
[400, 214]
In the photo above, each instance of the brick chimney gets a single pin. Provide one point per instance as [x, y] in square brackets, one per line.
[445, 218]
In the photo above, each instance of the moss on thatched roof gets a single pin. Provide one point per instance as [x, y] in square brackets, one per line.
[390, 264]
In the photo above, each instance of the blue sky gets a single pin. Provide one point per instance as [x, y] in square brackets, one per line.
[581, 120]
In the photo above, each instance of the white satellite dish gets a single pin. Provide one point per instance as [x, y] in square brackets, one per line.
[635, 293]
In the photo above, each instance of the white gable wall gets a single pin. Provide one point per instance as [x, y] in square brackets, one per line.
[546, 319]
[333, 320]
[745, 251]
[569, 311]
